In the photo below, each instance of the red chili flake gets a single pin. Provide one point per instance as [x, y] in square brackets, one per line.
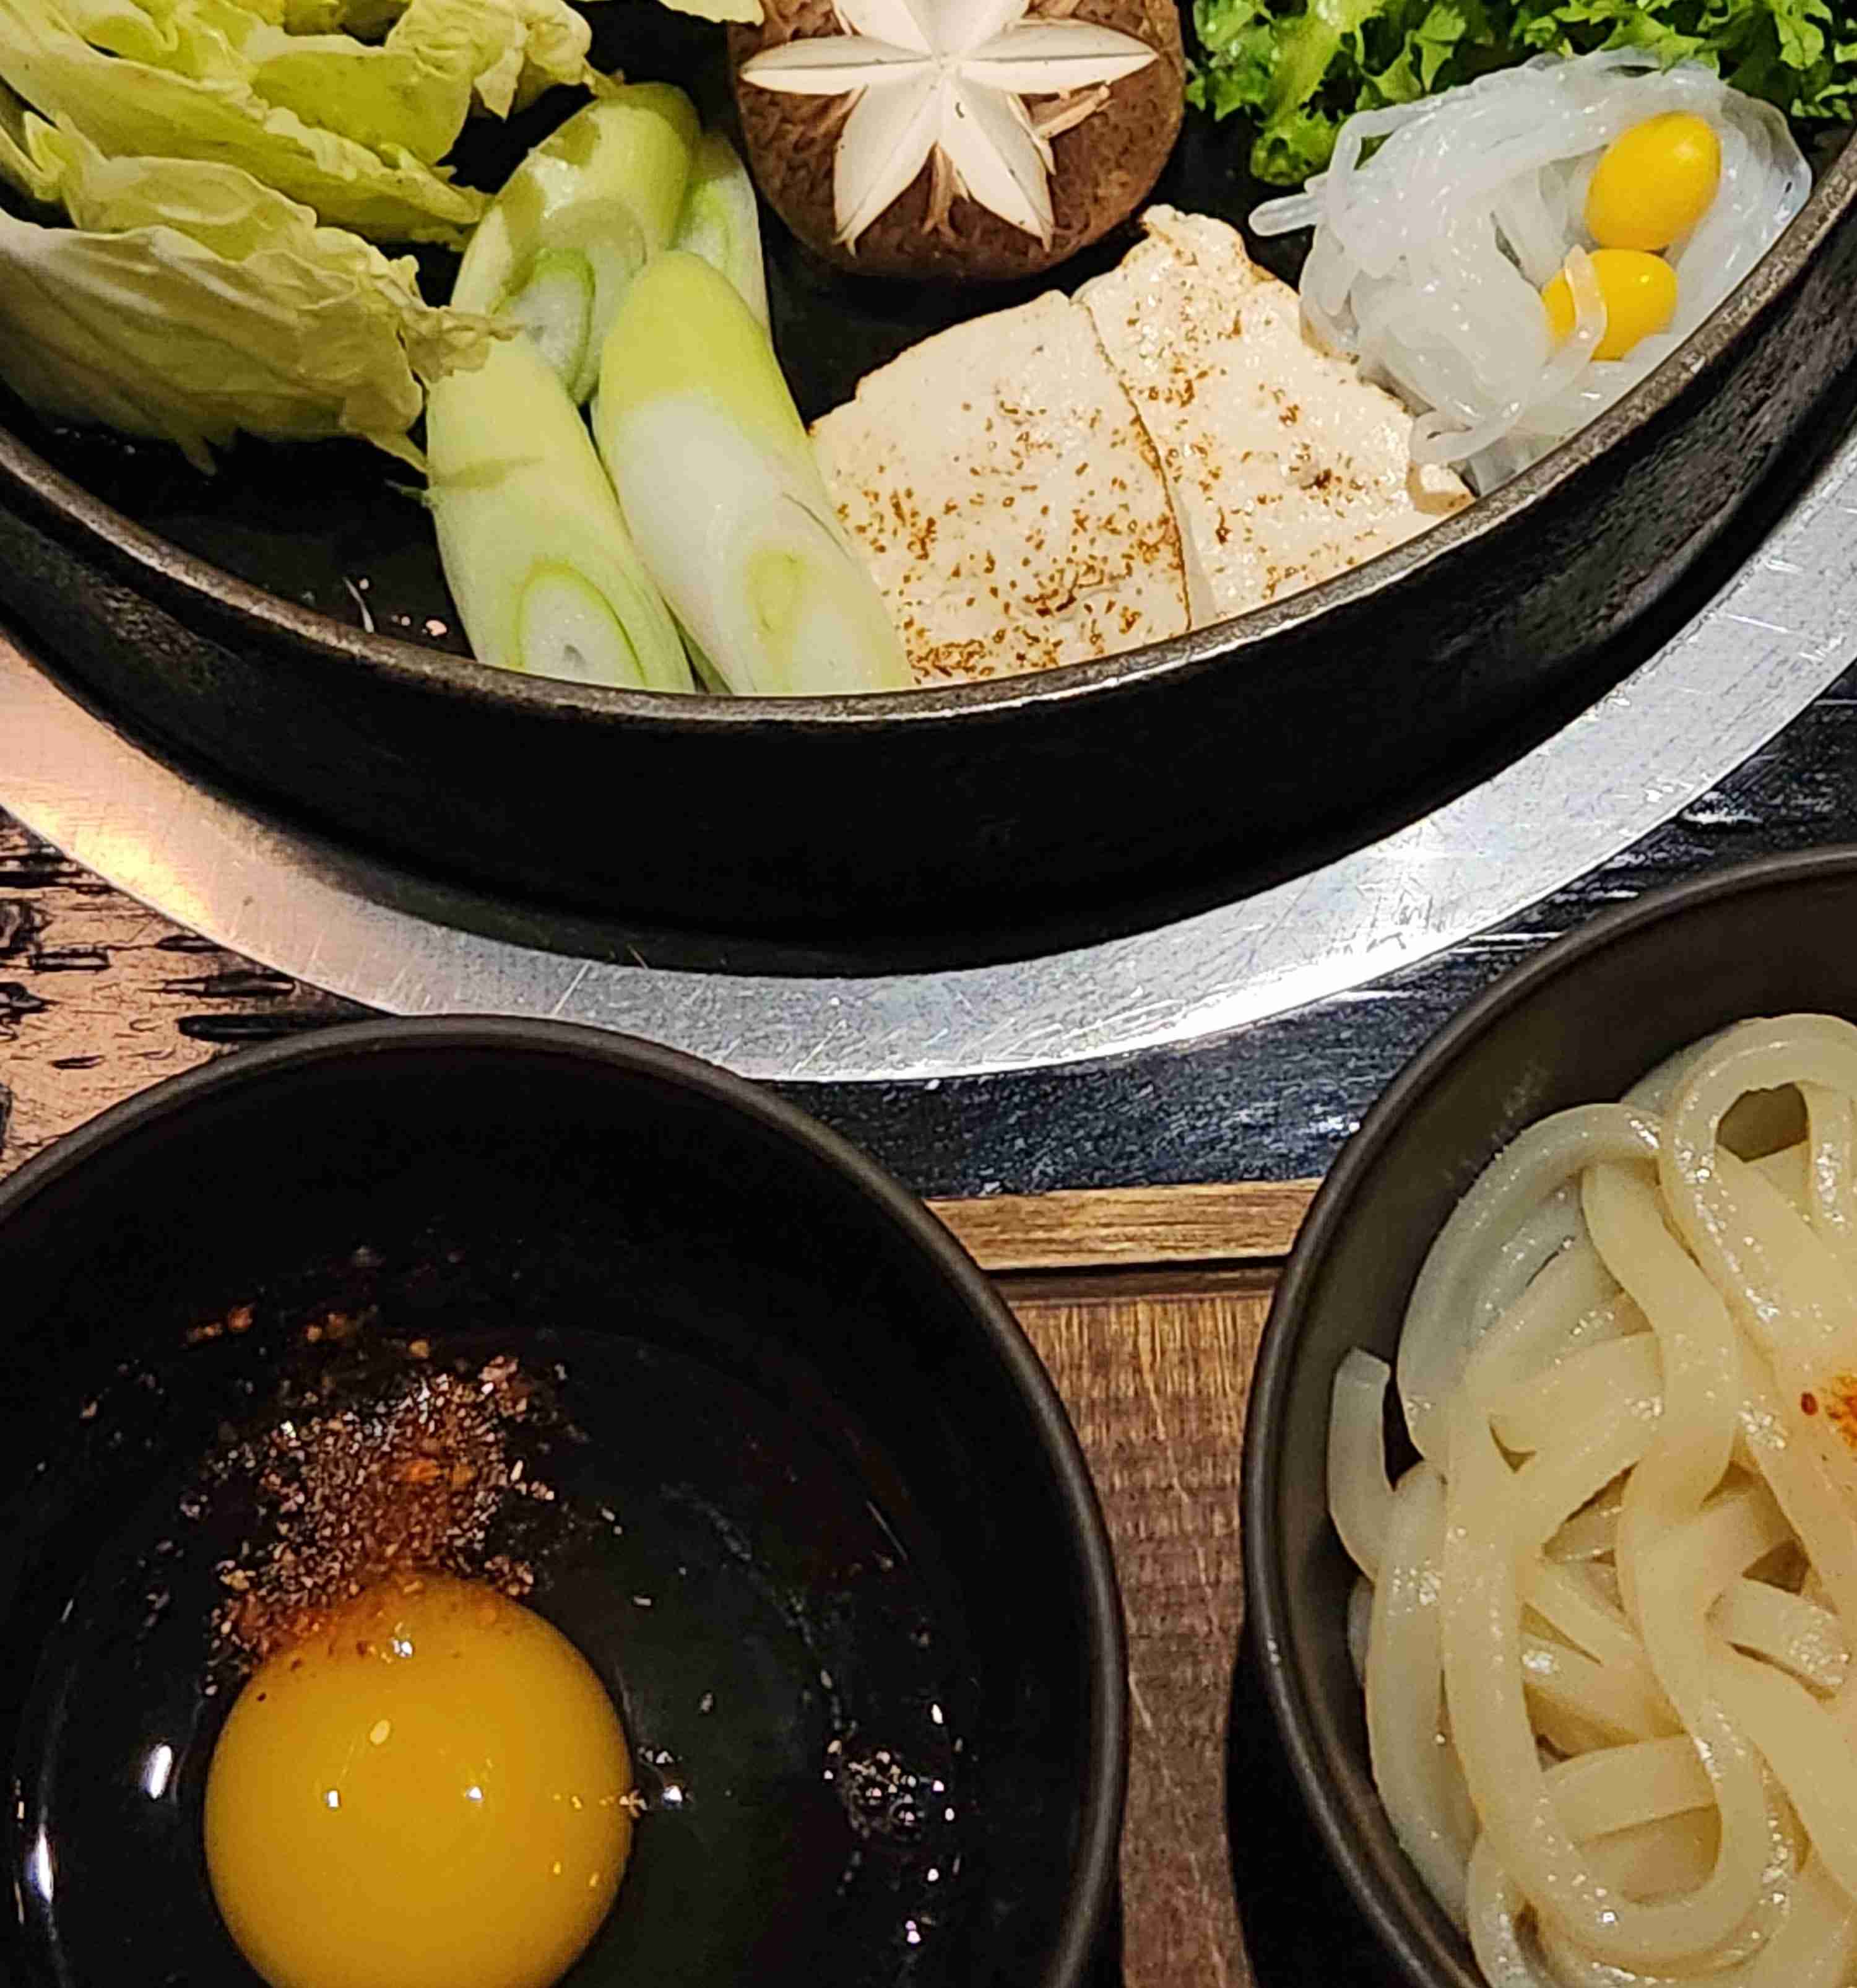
[1843, 1407]
[415, 1478]
[1808, 1404]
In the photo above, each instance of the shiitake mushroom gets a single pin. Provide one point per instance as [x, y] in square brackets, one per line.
[1103, 167]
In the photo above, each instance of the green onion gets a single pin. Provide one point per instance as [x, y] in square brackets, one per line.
[721, 221]
[576, 221]
[718, 481]
[534, 545]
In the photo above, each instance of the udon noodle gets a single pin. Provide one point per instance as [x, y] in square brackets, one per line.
[1605, 1618]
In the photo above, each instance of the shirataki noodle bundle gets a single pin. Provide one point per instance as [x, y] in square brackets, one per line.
[1430, 255]
[1606, 1620]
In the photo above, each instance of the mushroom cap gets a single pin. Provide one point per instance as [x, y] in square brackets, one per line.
[1102, 168]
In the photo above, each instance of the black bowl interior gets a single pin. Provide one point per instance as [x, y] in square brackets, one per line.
[819, 1524]
[1581, 1022]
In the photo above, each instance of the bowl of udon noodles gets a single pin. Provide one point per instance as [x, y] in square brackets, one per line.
[1551, 1483]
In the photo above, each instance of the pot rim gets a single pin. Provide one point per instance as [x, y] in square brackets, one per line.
[1094, 1866]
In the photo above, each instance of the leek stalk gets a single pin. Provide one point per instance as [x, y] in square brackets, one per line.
[578, 219]
[721, 221]
[716, 477]
[534, 546]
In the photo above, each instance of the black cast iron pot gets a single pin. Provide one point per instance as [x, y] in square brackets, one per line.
[1217, 758]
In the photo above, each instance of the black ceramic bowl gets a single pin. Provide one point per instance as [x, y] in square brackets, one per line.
[1581, 1022]
[821, 1523]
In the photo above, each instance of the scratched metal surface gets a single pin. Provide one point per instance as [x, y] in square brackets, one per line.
[1714, 687]
[1240, 1043]
[1275, 1101]
[98, 996]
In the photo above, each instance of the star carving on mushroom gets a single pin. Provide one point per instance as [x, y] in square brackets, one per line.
[945, 81]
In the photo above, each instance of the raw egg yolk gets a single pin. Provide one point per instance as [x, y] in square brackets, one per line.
[1638, 292]
[428, 1793]
[1654, 182]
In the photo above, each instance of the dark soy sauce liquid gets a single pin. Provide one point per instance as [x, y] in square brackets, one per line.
[790, 1687]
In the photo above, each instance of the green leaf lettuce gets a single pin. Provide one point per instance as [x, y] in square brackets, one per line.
[1298, 68]
[417, 87]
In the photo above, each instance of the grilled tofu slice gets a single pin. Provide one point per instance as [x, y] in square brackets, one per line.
[1010, 504]
[1285, 467]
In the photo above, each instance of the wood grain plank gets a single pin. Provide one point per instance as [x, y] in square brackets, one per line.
[100, 998]
[1156, 1386]
[1235, 1221]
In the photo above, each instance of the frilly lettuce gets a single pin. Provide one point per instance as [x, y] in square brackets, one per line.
[191, 301]
[1299, 68]
[18, 167]
[304, 55]
[370, 19]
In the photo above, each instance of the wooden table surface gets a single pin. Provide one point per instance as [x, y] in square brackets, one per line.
[1146, 1305]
